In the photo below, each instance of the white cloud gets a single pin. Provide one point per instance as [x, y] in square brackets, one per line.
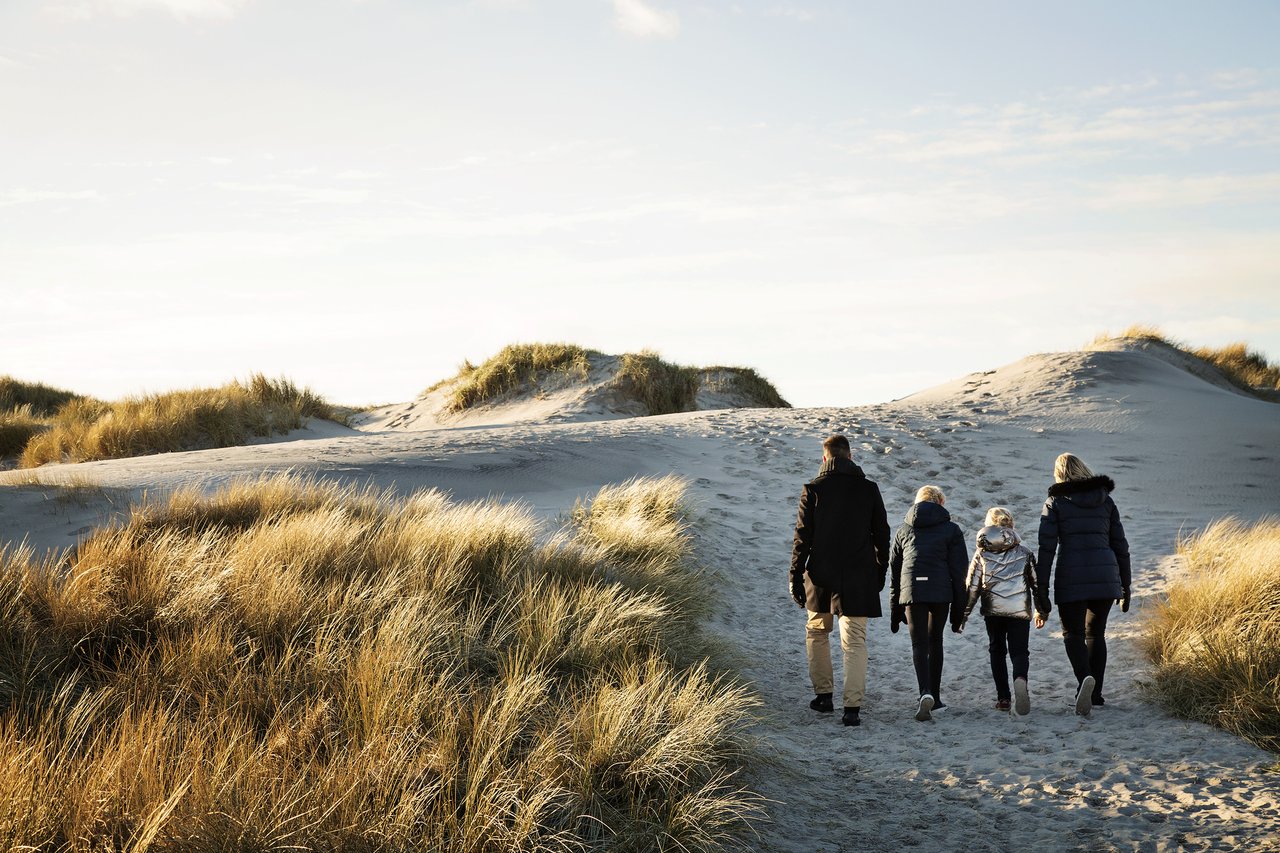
[639, 19]
[25, 196]
[181, 9]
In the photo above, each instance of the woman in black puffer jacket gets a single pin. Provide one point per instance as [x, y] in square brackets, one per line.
[1081, 524]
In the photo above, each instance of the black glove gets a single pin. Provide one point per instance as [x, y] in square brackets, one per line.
[897, 615]
[1043, 607]
[1123, 600]
[956, 626]
[798, 594]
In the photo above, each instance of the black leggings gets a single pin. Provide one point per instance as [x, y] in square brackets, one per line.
[1009, 636]
[1084, 627]
[926, 622]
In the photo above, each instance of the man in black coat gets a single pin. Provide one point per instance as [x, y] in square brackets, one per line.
[839, 560]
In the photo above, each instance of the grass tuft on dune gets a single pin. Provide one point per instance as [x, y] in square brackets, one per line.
[84, 429]
[1245, 368]
[291, 664]
[1215, 639]
[662, 386]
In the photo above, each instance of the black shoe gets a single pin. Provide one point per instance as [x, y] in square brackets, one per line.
[1098, 701]
[939, 705]
[850, 717]
[822, 703]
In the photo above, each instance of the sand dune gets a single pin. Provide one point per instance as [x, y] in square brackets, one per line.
[1183, 450]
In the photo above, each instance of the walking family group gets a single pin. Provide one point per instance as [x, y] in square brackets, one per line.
[844, 553]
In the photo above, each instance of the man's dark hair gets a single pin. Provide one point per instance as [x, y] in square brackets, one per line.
[837, 447]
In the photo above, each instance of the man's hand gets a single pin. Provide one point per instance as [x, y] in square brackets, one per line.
[897, 615]
[1043, 607]
[1123, 600]
[957, 627]
[797, 590]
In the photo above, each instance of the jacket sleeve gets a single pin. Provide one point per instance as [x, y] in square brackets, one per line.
[974, 583]
[880, 534]
[1120, 546]
[895, 569]
[1048, 546]
[958, 563]
[802, 542]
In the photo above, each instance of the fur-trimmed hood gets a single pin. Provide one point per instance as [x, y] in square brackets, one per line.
[1089, 492]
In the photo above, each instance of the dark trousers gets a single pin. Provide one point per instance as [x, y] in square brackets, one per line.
[926, 622]
[1007, 636]
[1084, 627]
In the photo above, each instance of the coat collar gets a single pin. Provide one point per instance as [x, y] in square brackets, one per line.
[840, 466]
[1075, 487]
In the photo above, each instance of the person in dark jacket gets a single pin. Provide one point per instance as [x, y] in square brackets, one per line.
[928, 562]
[1081, 524]
[839, 557]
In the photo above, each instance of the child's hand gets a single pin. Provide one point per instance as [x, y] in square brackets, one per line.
[1039, 620]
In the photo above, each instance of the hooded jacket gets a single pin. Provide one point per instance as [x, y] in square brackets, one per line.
[841, 544]
[1080, 523]
[1002, 575]
[929, 558]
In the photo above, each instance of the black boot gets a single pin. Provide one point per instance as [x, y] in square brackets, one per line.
[850, 717]
[822, 702]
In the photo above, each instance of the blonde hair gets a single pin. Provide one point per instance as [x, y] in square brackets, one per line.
[1069, 467]
[930, 493]
[998, 516]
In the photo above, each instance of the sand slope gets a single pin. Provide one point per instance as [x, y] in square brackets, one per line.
[1182, 451]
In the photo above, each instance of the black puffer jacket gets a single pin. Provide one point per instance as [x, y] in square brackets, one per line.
[841, 544]
[1081, 524]
[929, 558]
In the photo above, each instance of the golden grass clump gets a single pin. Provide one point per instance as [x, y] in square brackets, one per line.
[746, 382]
[17, 427]
[41, 400]
[84, 430]
[294, 664]
[515, 366]
[663, 387]
[1245, 368]
[1215, 639]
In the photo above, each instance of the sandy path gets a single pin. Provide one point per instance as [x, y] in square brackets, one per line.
[1129, 778]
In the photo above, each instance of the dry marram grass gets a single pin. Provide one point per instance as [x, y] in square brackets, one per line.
[295, 665]
[1246, 368]
[85, 430]
[1215, 639]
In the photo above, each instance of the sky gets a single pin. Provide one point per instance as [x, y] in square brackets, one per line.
[860, 200]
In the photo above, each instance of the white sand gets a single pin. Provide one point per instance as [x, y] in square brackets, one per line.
[1183, 451]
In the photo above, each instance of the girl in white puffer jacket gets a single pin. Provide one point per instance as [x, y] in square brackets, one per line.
[1002, 576]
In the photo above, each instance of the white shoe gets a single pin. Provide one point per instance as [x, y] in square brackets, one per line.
[926, 705]
[1084, 697]
[1021, 698]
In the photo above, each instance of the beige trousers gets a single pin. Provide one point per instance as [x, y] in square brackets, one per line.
[853, 639]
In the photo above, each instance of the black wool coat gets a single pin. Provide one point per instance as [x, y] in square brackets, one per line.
[930, 561]
[1081, 525]
[841, 543]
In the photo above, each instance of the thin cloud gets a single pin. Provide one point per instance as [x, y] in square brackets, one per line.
[181, 9]
[638, 18]
[25, 196]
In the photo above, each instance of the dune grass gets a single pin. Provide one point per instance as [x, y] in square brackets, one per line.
[40, 400]
[17, 427]
[1245, 368]
[663, 387]
[85, 430]
[515, 366]
[288, 664]
[748, 383]
[1215, 639]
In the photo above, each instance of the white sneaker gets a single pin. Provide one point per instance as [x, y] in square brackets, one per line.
[926, 705]
[1021, 698]
[1084, 697]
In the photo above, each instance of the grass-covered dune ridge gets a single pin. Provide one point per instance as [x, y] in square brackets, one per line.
[290, 664]
[663, 387]
[1215, 639]
[84, 429]
[1242, 366]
